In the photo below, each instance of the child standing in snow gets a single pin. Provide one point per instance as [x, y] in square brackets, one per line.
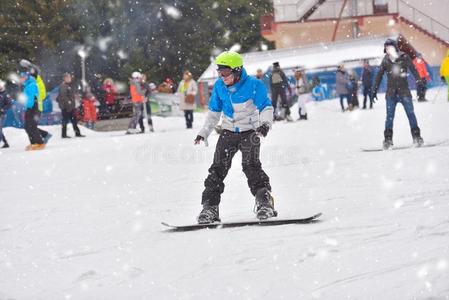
[247, 115]
[89, 110]
[303, 94]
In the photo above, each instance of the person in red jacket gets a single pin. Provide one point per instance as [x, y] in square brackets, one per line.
[89, 110]
[421, 87]
[109, 94]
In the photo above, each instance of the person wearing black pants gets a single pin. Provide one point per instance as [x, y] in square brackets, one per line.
[367, 82]
[227, 146]
[188, 115]
[66, 100]
[278, 84]
[31, 117]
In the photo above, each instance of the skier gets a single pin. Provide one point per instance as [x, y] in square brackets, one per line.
[247, 115]
[137, 98]
[5, 104]
[341, 87]
[395, 64]
[367, 83]
[302, 93]
[444, 72]
[421, 86]
[67, 104]
[278, 84]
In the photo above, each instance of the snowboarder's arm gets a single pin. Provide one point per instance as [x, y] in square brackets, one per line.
[213, 116]
[263, 104]
[379, 77]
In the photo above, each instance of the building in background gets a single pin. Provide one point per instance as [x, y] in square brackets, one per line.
[424, 24]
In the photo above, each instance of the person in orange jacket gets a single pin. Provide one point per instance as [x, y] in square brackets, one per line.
[137, 98]
[421, 88]
[89, 110]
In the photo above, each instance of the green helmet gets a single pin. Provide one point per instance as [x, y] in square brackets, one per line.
[230, 59]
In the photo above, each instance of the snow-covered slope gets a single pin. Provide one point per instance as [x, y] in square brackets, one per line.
[81, 220]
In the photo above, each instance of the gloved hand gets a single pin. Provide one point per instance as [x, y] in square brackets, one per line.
[443, 79]
[263, 130]
[198, 139]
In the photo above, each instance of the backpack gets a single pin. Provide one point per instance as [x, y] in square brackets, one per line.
[276, 78]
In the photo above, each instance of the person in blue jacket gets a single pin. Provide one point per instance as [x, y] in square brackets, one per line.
[32, 112]
[246, 111]
[5, 104]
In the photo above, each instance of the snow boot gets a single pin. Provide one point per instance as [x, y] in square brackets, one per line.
[5, 143]
[388, 141]
[209, 214]
[264, 207]
[417, 139]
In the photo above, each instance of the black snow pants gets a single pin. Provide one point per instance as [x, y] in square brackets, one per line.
[276, 92]
[228, 144]
[69, 116]
[31, 120]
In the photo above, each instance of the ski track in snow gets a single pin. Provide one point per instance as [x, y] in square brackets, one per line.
[81, 220]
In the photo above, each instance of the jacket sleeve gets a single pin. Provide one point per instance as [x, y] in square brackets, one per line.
[214, 114]
[30, 92]
[263, 104]
[379, 76]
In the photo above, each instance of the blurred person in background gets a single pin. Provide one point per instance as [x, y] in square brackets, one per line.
[187, 91]
[137, 98]
[5, 104]
[341, 87]
[367, 84]
[67, 104]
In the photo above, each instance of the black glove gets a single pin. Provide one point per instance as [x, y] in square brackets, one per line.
[263, 130]
[198, 139]
[443, 79]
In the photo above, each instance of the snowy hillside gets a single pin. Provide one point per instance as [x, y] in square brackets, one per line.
[81, 220]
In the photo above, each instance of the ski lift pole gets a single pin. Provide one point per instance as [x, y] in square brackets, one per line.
[334, 35]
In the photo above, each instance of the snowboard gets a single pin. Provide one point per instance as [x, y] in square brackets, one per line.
[269, 222]
[426, 145]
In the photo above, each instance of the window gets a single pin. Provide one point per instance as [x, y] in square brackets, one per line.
[380, 6]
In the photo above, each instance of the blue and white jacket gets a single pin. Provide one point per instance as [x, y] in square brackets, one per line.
[244, 106]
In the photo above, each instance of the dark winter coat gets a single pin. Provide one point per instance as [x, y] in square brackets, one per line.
[367, 77]
[341, 81]
[66, 97]
[396, 75]
[278, 79]
[5, 102]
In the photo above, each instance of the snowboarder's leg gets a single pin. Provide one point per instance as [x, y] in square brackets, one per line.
[391, 102]
[31, 118]
[250, 148]
[225, 150]
[409, 110]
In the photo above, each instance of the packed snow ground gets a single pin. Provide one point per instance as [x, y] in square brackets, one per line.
[81, 220]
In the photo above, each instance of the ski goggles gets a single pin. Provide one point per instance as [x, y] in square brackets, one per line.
[224, 72]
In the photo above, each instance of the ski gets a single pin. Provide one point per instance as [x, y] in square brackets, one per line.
[269, 222]
[426, 145]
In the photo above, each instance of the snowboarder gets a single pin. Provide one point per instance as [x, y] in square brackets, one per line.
[278, 84]
[444, 72]
[367, 84]
[247, 115]
[32, 113]
[67, 104]
[341, 87]
[137, 97]
[35, 72]
[421, 86]
[5, 104]
[396, 64]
